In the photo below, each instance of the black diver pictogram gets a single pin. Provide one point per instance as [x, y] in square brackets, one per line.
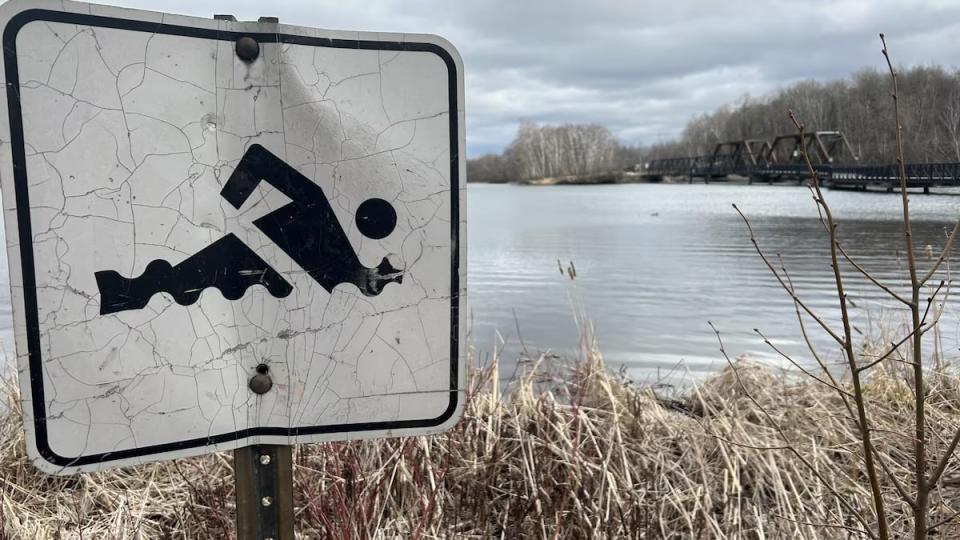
[227, 264]
[306, 229]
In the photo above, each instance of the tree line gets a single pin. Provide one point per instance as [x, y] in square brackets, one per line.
[859, 106]
[544, 151]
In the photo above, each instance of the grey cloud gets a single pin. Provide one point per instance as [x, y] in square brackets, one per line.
[642, 68]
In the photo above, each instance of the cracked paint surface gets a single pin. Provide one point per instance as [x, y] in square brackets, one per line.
[128, 138]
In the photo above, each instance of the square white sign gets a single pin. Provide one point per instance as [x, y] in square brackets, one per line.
[199, 210]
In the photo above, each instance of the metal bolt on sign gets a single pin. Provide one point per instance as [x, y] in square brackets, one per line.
[247, 49]
[261, 383]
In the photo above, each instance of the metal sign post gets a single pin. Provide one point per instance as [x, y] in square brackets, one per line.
[263, 475]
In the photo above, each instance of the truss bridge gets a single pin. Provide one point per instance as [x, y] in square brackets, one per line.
[781, 160]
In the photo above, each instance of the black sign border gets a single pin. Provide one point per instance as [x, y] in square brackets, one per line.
[10, 32]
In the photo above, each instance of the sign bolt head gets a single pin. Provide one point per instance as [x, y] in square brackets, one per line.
[247, 49]
[266, 501]
[264, 459]
[261, 383]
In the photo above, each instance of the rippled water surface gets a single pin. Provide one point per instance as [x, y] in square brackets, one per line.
[656, 262]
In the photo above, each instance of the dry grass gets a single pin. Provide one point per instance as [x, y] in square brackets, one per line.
[585, 455]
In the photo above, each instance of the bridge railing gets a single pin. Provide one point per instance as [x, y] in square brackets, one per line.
[696, 166]
[918, 174]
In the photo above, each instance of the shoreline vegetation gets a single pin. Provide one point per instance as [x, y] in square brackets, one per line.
[619, 177]
[575, 451]
[610, 177]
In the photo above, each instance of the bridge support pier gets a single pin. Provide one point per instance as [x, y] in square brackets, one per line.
[926, 190]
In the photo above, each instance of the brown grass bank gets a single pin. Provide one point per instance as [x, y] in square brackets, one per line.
[582, 455]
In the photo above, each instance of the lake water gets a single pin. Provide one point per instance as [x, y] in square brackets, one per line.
[656, 262]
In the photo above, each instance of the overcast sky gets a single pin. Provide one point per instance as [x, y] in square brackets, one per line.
[641, 68]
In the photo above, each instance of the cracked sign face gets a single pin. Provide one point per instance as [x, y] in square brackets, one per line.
[180, 220]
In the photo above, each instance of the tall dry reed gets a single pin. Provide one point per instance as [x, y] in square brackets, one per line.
[576, 452]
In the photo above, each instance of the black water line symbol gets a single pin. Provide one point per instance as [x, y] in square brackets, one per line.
[307, 230]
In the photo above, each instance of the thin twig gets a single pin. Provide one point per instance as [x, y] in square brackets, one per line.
[756, 246]
[901, 489]
[809, 343]
[920, 426]
[944, 254]
[822, 525]
[789, 445]
[847, 342]
[945, 458]
[869, 276]
[897, 345]
[938, 312]
[797, 365]
[943, 521]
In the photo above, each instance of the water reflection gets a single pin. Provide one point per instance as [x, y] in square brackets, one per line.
[656, 262]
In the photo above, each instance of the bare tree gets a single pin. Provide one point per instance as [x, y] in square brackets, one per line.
[855, 106]
[950, 118]
[565, 150]
[491, 168]
[926, 295]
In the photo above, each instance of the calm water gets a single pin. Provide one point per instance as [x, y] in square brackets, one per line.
[656, 262]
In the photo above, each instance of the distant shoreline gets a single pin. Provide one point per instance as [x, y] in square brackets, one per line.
[627, 178]
[620, 177]
[610, 177]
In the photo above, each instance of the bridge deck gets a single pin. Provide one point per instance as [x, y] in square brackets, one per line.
[923, 175]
